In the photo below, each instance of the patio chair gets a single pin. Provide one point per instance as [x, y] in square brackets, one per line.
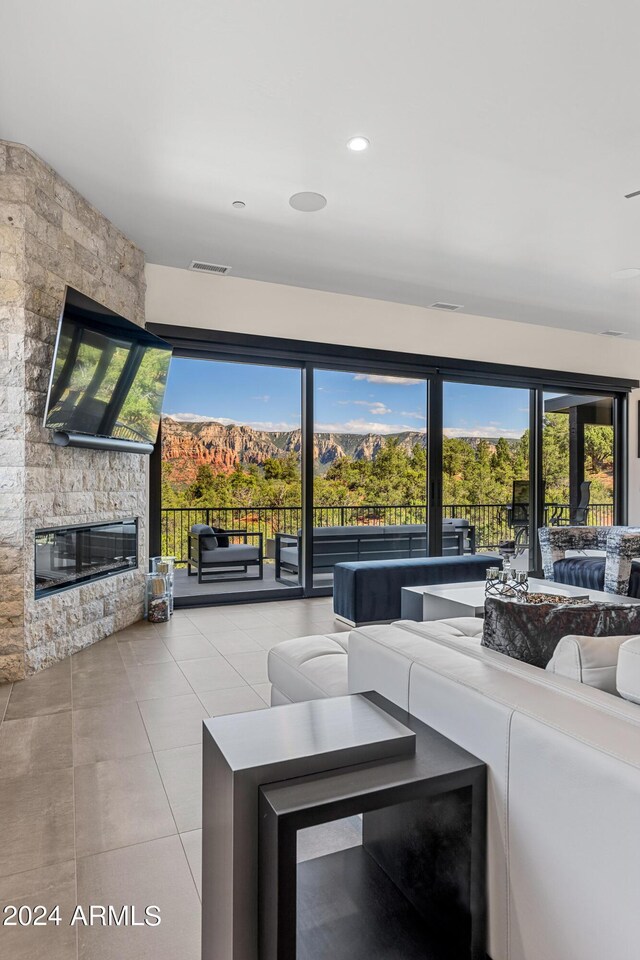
[213, 555]
[518, 514]
[582, 510]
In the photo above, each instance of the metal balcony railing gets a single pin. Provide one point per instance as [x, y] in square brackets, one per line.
[489, 519]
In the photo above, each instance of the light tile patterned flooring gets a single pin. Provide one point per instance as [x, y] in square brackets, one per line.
[100, 774]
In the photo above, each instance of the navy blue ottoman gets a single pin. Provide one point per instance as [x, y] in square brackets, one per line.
[368, 591]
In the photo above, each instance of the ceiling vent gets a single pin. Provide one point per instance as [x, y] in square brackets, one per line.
[612, 333]
[202, 267]
[439, 305]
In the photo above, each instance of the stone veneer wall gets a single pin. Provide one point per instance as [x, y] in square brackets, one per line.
[49, 237]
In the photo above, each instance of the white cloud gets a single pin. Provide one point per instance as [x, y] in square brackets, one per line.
[378, 409]
[375, 407]
[489, 432]
[363, 427]
[188, 417]
[266, 425]
[263, 399]
[414, 414]
[378, 378]
[269, 426]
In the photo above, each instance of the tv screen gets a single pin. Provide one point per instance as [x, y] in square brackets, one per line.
[108, 376]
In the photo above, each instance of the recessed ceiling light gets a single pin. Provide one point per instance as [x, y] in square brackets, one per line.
[612, 333]
[238, 204]
[307, 202]
[627, 274]
[357, 144]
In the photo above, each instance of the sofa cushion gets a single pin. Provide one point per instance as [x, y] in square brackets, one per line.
[589, 660]
[289, 555]
[208, 541]
[531, 632]
[236, 553]
[466, 628]
[588, 572]
[628, 671]
[201, 528]
[222, 540]
[309, 668]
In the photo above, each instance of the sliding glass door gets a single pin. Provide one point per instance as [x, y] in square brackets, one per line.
[311, 455]
[369, 469]
[486, 482]
[578, 458]
[231, 478]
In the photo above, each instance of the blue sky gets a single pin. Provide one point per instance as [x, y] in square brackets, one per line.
[268, 398]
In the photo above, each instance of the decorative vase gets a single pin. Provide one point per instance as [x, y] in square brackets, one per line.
[166, 567]
[157, 598]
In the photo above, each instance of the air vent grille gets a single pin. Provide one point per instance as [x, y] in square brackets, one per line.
[217, 268]
[612, 333]
[440, 305]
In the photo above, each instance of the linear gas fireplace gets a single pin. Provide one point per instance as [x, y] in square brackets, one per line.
[66, 557]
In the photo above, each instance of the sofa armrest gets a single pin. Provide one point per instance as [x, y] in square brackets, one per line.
[194, 547]
[623, 546]
[555, 541]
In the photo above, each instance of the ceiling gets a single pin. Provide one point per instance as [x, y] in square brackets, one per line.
[504, 136]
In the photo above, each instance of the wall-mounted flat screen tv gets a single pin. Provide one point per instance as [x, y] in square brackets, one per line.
[108, 376]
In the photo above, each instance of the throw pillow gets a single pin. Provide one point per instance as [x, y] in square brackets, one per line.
[208, 541]
[589, 660]
[222, 541]
[531, 632]
[628, 673]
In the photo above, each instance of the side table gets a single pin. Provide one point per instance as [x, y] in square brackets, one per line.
[414, 889]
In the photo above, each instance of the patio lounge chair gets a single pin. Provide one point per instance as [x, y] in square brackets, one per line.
[210, 559]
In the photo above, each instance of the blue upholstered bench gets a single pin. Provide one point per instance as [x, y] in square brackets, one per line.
[368, 591]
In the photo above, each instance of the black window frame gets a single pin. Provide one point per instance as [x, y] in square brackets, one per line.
[308, 356]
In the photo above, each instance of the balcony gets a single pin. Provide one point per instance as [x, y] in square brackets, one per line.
[489, 520]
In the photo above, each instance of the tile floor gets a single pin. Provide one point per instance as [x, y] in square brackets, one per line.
[100, 774]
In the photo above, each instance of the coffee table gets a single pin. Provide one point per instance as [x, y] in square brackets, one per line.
[442, 601]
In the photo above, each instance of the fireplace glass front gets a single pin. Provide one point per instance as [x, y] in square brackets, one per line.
[68, 556]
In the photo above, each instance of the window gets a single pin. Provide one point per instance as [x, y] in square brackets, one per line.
[328, 453]
[485, 466]
[231, 455]
[369, 469]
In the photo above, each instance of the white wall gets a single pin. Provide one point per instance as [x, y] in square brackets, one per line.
[184, 298]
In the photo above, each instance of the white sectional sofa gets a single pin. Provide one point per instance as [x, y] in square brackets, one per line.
[564, 774]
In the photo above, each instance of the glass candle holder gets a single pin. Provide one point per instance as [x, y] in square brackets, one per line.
[157, 598]
[166, 567]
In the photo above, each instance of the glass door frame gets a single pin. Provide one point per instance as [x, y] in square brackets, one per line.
[253, 593]
[308, 434]
[309, 356]
[620, 424]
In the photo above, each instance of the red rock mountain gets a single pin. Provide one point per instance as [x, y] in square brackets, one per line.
[186, 445]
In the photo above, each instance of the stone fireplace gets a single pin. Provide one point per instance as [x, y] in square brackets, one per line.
[50, 236]
[66, 557]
